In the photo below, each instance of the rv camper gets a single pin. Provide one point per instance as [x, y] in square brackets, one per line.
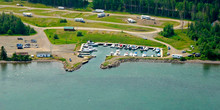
[176, 56]
[98, 11]
[79, 20]
[27, 14]
[145, 17]
[61, 8]
[100, 15]
[131, 20]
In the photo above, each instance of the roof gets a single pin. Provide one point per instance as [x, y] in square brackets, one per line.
[68, 27]
[44, 52]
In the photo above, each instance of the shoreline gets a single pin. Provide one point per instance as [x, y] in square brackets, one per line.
[115, 62]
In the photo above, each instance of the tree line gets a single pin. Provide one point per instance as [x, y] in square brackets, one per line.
[10, 24]
[207, 36]
[15, 57]
[66, 3]
[186, 9]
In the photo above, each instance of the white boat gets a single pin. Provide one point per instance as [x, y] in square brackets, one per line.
[86, 50]
[144, 55]
[126, 54]
[113, 46]
[131, 54]
[146, 48]
[92, 49]
[154, 49]
[117, 53]
[135, 54]
[152, 55]
[86, 45]
[158, 55]
[112, 53]
[157, 50]
[105, 45]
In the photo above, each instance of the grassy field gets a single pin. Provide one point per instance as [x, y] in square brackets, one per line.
[25, 3]
[97, 36]
[54, 22]
[179, 41]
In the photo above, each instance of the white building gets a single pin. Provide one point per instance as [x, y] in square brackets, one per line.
[145, 17]
[176, 56]
[131, 20]
[100, 15]
[79, 19]
[43, 54]
[27, 14]
[61, 8]
[99, 11]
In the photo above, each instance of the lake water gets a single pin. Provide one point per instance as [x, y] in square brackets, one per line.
[131, 86]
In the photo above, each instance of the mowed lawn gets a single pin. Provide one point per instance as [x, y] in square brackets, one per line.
[179, 41]
[70, 37]
[55, 22]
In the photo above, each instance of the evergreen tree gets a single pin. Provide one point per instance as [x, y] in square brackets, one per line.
[3, 53]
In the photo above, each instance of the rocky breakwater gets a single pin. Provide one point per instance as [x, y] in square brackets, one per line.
[117, 61]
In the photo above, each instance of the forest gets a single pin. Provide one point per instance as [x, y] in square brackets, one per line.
[10, 24]
[66, 3]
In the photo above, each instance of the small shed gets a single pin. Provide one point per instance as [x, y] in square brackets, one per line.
[21, 53]
[43, 54]
[69, 29]
[61, 8]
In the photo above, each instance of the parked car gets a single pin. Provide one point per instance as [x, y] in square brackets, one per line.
[183, 51]
[80, 56]
[19, 38]
[168, 53]
[33, 41]
[197, 55]
[169, 48]
[190, 55]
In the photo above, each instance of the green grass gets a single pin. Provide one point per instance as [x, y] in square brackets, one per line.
[165, 22]
[66, 37]
[179, 41]
[25, 3]
[54, 22]
[106, 63]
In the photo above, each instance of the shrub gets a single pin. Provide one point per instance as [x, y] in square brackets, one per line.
[63, 21]
[55, 36]
[168, 31]
[79, 33]
[182, 59]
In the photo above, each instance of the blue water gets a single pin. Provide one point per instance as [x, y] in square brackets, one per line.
[131, 86]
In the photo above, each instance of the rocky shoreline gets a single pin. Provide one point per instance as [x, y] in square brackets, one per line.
[116, 62]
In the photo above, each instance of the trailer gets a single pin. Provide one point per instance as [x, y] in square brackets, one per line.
[145, 17]
[27, 14]
[100, 15]
[176, 56]
[61, 8]
[131, 20]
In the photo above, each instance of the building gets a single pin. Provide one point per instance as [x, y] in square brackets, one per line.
[145, 17]
[43, 54]
[100, 15]
[61, 8]
[99, 11]
[21, 53]
[69, 29]
[27, 14]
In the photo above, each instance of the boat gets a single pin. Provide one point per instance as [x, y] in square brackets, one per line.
[157, 50]
[144, 55]
[130, 47]
[134, 47]
[158, 55]
[154, 49]
[120, 46]
[146, 49]
[126, 54]
[86, 45]
[152, 55]
[112, 46]
[117, 46]
[117, 53]
[90, 43]
[131, 54]
[105, 45]
[135, 54]
[86, 50]
[111, 53]
[92, 49]
[141, 48]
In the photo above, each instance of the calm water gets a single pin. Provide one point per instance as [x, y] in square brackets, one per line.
[132, 86]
